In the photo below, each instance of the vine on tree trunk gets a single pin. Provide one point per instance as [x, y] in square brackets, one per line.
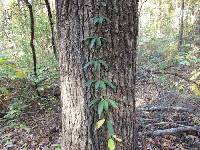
[100, 84]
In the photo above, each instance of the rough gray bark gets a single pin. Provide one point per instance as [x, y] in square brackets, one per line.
[74, 25]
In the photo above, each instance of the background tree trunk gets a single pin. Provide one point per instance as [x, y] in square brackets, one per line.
[181, 28]
[32, 26]
[51, 27]
[74, 25]
[197, 29]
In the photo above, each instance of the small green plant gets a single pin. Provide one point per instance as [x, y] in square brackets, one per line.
[3, 59]
[14, 111]
[56, 146]
[4, 91]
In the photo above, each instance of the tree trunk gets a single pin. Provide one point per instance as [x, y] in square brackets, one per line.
[197, 21]
[74, 26]
[51, 27]
[197, 29]
[32, 27]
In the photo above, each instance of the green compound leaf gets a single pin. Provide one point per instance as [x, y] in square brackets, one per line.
[100, 108]
[88, 39]
[88, 64]
[113, 103]
[103, 63]
[105, 105]
[89, 83]
[92, 43]
[110, 128]
[96, 20]
[97, 84]
[109, 83]
[95, 42]
[111, 144]
[99, 20]
[100, 85]
[93, 101]
[103, 84]
[99, 123]
[104, 2]
[98, 41]
[97, 64]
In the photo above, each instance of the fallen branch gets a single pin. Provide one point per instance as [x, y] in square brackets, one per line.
[160, 108]
[173, 131]
[160, 123]
[173, 74]
[144, 121]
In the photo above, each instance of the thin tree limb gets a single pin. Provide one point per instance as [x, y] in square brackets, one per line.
[32, 25]
[174, 74]
[51, 26]
[180, 39]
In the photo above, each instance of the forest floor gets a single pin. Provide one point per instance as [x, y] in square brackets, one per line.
[160, 127]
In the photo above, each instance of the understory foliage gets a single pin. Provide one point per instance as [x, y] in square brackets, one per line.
[158, 55]
[16, 64]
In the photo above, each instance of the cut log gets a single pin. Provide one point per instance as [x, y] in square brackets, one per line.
[173, 131]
